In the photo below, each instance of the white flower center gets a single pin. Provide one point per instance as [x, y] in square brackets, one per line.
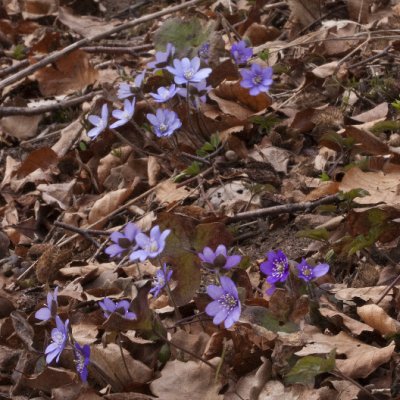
[163, 127]
[152, 247]
[227, 301]
[306, 271]
[80, 362]
[257, 79]
[279, 269]
[188, 74]
[59, 338]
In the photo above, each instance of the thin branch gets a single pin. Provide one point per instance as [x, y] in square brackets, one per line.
[86, 41]
[80, 231]
[116, 49]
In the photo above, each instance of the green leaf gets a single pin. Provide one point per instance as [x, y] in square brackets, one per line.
[307, 368]
[352, 194]
[215, 141]
[325, 177]
[320, 234]
[264, 55]
[265, 122]
[192, 170]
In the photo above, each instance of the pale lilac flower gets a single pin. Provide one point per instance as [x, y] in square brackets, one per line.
[82, 359]
[121, 307]
[124, 91]
[307, 273]
[165, 122]
[204, 51]
[257, 79]
[50, 309]
[219, 258]
[276, 267]
[163, 276]
[226, 305]
[241, 53]
[188, 71]
[139, 78]
[151, 246]
[199, 90]
[59, 336]
[164, 94]
[99, 123]
[123, 242]
[162, 58]
[124, 115]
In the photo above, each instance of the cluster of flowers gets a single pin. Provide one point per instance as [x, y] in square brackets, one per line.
[188, 77]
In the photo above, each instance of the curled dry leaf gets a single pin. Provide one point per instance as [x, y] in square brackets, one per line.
[377, 318]
[20, 126]
[366, 141]
[167, 192]
[59, 193]
[187, 381]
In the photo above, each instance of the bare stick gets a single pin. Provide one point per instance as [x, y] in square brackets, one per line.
[86, 41]
[80, 231]
[114, 50]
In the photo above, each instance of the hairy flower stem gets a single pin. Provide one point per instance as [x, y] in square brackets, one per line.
[129, 143]
[190, 122]
[123, 357]
[168, 289]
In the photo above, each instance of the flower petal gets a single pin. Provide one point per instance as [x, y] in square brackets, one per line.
[214, 291]
[320, 270]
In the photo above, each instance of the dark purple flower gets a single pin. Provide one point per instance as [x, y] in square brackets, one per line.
[257, 79]
[59, 335]
[241, 53]
[125, 115]
[219, 258]
[188, 71]
[164, 94]
[124, 91]
[82, 359]
[99, 123]
[50, 309]
[276, 267]
[165, 122]
[162, 58]
[121, 307]
[226, 305]
[163, 276]
[150, 246]
[307, 273]
[123, 242]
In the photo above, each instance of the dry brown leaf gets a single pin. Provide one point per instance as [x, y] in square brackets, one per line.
[33, 9]
[50, 378]
[20, 126]
[59, 193]
[366, 141]
[10, 169]
[187, 381]
[277, 157]
[376, 113]
[111, 161]
[259, 33]
[325, 70]
[377, 318]
[359, 10]
[305, 11]
[335, 30]
[67, 137]
[167, 192]
[85, 25]
[153, 170]
[41, 158]
[69, 74]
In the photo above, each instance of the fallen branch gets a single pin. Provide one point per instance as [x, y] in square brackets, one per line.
[117, 49]
[86, 41]
[284, 209]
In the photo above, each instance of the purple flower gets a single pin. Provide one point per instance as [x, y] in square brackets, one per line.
[124, 91]
[307, 273]
[121, 307]
[162, 58]
[165, 122]
[276, 267]
[219, 258]
[164, 94]
[204, 51]
[163, 276]
[82, 359]
[50, 309]
[59, 336]
[241, 53]
[150, 246]
[139, 78]
[124, 115]
[226, 305]
[197, 89]
[188, 71]
[123, 242]
[99, 123]
[257, 79]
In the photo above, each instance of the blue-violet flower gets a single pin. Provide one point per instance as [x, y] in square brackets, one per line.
[204, 51]
[82, 359]
[150, 246]
[226, 305]
[199, 90]
[219, 258]
[123, 242]
[59, 336]
[164, 94]
[188, 71]
[307, 273]
[276, 267]
[257, 79]
[99, 123]
[241, 53]
[162, 58]
[124, 115]
[124, 91]
[165, 122]
[163, 276]
[50, 309]
[121, 307]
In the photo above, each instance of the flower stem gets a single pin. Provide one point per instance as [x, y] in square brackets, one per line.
[123, 357]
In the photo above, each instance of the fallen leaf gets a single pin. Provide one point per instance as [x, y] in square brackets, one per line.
[377, 318]
[50, 378]
[20, 126]
[359, 10]
[366, 141]
[59, 193]
[167, 192]
[378, 112]
[41, 158]
[34, 9]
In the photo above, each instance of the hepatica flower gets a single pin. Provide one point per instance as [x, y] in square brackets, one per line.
[162, 58]
[165, 122]
[123, 242]
[123, 116]
[164, 94]
[308, 273]
[257, 79]
[150, 246]
[219, 258]
[199, 90]
[188, 71]
[59, 335]
[276, 267]
[50, 309]
[163, 276]
[99, 123]
[82, 359]
[241, 53]
[121, 307]
[226, 305]
[124, 91]
[204, 51]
